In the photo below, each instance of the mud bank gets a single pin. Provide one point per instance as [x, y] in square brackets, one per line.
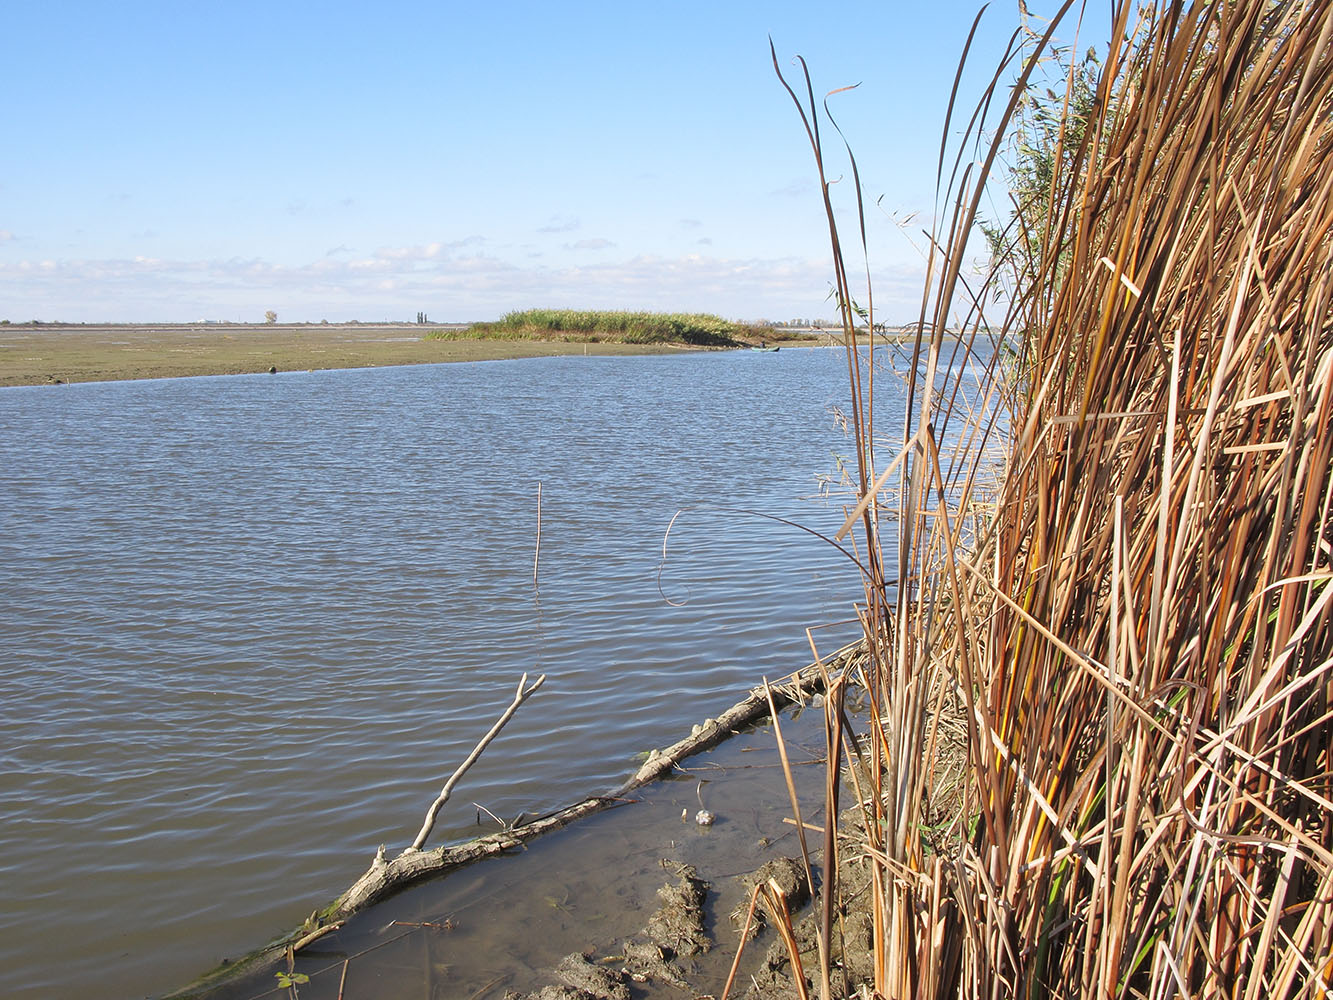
[639, 892]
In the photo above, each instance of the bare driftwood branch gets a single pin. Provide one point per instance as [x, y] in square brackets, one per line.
[713, 731]
[520, 696]
[387, 875]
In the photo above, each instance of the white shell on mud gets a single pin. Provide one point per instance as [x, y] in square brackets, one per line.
[704, 818]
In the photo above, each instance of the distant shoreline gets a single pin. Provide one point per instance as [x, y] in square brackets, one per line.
[50, 354]
[60, 353]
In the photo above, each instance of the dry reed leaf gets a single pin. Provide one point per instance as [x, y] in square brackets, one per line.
[1140, 621]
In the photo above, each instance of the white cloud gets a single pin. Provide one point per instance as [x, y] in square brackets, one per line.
[6, 236]
[396, 282]
[597, 244]
[428, 252]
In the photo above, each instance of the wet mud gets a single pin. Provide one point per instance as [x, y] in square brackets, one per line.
[637, 901]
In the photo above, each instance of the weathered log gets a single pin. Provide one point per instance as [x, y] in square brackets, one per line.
[714, 731]
[385, 875]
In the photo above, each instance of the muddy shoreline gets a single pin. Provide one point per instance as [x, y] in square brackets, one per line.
[642, 891]
[50, 354]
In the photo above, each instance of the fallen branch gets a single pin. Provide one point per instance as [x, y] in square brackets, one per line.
[714, 731]
[386, 875]
[520, 696]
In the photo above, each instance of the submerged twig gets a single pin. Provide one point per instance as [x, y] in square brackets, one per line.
[537, 552]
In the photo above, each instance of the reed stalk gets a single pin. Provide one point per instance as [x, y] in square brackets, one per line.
[1130, 628]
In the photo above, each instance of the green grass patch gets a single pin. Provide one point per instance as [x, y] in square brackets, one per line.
[594, 326]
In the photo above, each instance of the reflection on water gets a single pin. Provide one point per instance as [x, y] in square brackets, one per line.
[252, 623]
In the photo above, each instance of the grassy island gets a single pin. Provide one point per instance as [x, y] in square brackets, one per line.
[594, 326]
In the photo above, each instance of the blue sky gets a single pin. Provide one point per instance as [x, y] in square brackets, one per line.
[177, 161]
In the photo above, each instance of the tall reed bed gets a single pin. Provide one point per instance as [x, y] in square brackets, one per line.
[698, 329]
[1135, 639]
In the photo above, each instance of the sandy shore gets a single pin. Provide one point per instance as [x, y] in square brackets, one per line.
[46, 354]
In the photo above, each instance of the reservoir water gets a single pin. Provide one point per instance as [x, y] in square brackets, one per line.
[249, 624]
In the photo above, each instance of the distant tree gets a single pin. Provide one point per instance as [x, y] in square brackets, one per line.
[270, 317]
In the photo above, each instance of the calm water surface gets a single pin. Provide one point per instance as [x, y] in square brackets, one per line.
[250, 624]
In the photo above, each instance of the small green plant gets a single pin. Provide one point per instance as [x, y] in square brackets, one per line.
[290, 980]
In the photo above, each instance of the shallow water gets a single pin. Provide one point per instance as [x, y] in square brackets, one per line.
[506, 923]
[252, 623]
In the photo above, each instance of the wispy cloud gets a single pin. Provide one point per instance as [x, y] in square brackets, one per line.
[802, 188]
[428, 251]
[560, 224]
[690, 224]
[597, 244]
[6, 236]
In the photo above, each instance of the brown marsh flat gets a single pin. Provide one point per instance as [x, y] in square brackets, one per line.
[50, 353]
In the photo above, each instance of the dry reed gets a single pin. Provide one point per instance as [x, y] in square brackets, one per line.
[1134, 629]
